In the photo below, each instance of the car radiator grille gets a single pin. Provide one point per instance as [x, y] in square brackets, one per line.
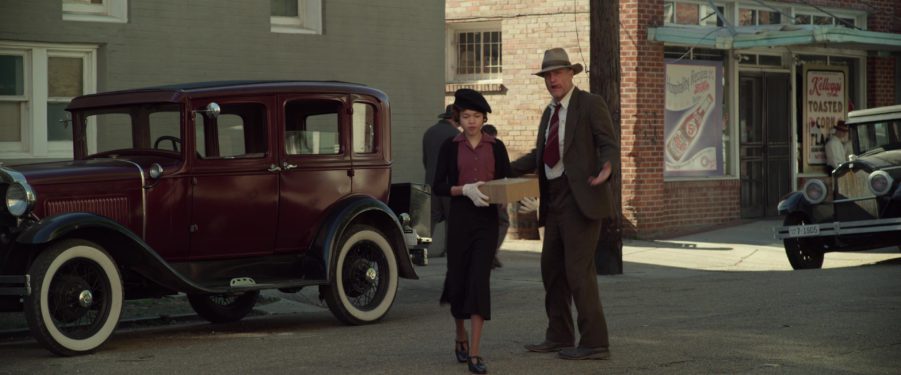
[853, 185]
[115, 208]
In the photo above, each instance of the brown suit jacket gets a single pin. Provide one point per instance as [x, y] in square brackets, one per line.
[588, 142]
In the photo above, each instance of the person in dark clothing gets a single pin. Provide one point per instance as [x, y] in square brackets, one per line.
[465, 162]
[502, 215]
[445, 128]
[574, 149]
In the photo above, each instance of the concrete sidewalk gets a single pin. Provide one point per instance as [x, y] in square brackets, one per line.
[747, 246]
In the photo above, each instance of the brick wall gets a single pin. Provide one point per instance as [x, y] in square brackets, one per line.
[700, 204]
[644, 203]
[881, 80]
[652, 207]
[529, 28]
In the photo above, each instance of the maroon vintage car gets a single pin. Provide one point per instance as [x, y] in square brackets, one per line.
[217, 190]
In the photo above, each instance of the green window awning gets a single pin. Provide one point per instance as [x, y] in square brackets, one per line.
[783, 36]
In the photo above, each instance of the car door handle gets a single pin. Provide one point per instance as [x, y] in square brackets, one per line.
[288, 166]
[274, 168]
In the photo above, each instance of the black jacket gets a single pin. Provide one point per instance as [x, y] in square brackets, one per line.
[447, 172]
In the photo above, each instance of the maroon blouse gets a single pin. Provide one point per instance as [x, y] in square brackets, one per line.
[475, 164]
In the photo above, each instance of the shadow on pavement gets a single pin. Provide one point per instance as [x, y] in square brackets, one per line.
[662, 244]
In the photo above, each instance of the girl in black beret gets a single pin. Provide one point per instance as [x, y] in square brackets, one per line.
[465, 162]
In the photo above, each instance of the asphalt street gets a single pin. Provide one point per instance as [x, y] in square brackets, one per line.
[721, 301]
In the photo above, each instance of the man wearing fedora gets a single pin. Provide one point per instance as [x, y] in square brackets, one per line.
[445, 128]
[573, 155]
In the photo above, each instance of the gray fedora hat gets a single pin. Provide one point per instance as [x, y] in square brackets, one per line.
[556, 58]
[448, 112]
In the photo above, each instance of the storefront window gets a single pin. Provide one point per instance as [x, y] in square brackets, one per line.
[818, 19]
[691, 13]
[760, 60]
[755, 17]
[680, 159]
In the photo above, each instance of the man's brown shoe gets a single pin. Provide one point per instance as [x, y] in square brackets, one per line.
[547, 347]
[584, 353]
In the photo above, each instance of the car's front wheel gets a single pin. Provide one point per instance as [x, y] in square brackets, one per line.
[803, 253]
[364, 277]
[76, 297]
[223, 308]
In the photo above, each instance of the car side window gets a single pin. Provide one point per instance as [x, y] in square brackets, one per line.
[364, 128]
[312, 127]
[239, 132]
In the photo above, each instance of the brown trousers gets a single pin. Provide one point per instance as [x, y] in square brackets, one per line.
[568, 271]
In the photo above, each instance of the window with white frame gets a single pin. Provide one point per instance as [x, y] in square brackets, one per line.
[96, 10]
[296, 16]
[692, 13]
[757, 17]
[804, 18]
[36, 84]
[475, 53]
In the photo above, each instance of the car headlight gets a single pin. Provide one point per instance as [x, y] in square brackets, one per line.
[879, 183]
[814, 191]
[19, 199]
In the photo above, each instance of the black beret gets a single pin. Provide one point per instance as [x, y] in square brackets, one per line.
[471, 99]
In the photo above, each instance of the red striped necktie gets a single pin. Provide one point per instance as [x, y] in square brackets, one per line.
[552, 145]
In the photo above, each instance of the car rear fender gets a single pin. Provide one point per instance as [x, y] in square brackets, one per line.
[359, 209]
[128, 249]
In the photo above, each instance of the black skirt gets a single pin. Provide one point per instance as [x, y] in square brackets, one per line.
[471, 241]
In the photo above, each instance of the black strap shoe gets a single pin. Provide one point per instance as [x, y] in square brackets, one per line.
[476, 366]
[461, 349]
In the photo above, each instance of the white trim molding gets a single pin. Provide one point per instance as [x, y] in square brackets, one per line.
[308, 20]
[113, 11]
[33, 142]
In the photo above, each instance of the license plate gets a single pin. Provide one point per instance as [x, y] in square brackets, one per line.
[803, 230]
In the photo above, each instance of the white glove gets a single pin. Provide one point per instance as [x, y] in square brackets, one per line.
[472, 192]
[528, 205]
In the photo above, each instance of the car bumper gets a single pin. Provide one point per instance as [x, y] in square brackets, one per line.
[418, 248]
[838, 228]
[15, 285]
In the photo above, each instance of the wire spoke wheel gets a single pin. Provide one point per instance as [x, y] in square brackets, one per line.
[363, 269]
[76, 299]
[363, 281]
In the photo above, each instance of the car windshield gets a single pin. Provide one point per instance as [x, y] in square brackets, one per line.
[877, 135]
[134, 128]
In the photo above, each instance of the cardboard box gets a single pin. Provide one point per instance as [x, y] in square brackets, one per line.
[509, 189]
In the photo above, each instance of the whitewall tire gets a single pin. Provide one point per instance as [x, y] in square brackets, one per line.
[364, 277]
[76, 297]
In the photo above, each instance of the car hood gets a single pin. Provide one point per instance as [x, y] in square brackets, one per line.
[78, 171]
[881, 160]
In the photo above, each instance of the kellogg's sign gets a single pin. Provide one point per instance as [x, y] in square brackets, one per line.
[825, 103]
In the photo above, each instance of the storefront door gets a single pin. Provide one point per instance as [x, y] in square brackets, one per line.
[765, 128]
